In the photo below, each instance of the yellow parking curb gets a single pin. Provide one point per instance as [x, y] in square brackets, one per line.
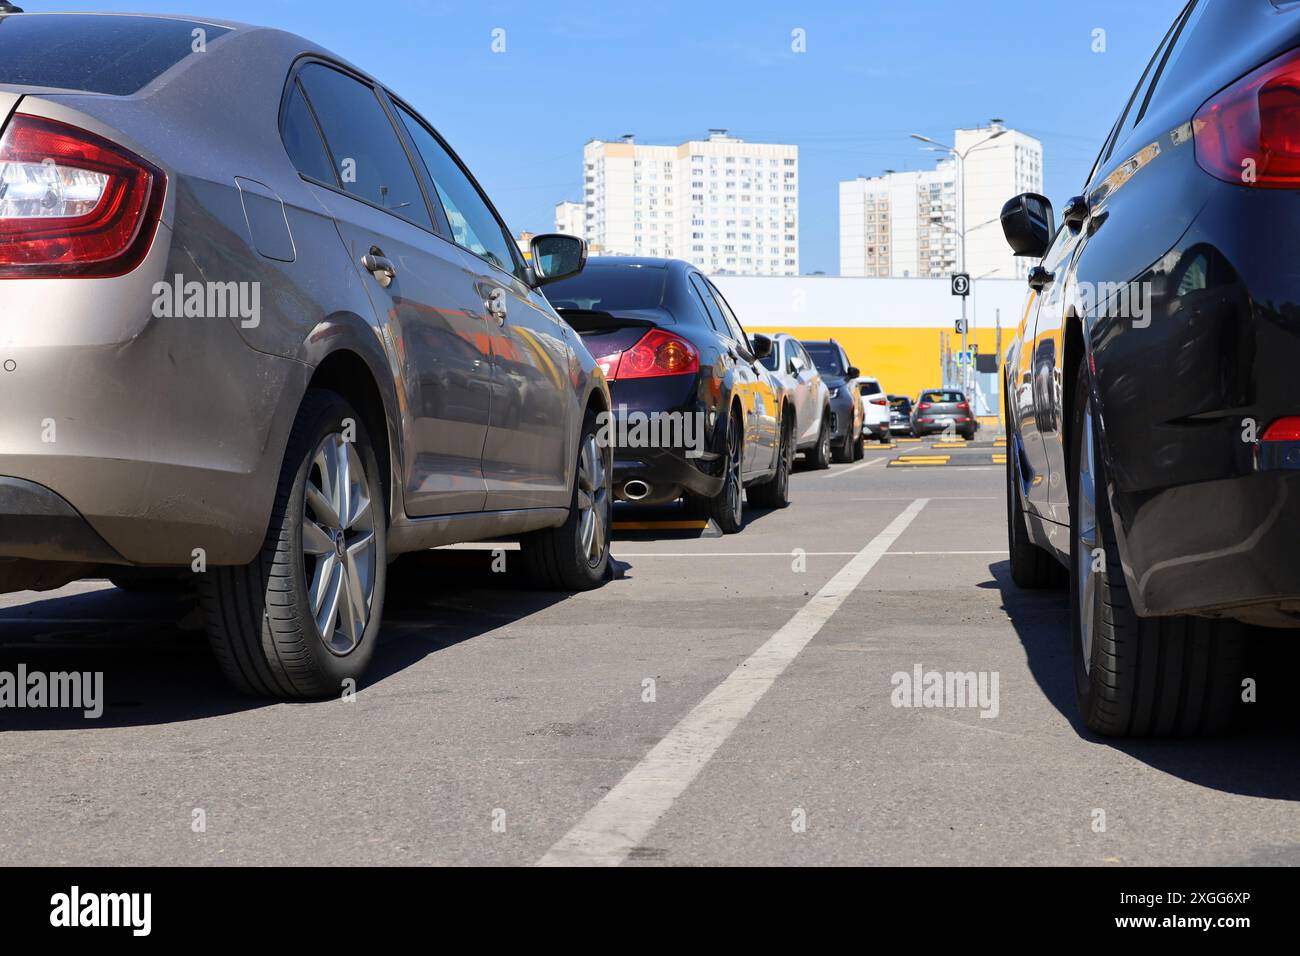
[660, 525]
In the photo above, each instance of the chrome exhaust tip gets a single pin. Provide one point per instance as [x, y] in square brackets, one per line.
[635, 490]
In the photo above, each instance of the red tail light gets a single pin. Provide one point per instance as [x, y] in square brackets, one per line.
[1284, 429]
[923, 406]
[658, 353]
[880, 401]
[72, 204]
[1249, 133]
[964, 406]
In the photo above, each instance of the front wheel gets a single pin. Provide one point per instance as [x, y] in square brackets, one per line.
[1135, 676]
[303, 618]
[575, 556]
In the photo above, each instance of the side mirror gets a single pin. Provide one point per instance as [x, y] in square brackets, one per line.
[852, 372]
[555, 256]
[1028, 224]
[760, 345]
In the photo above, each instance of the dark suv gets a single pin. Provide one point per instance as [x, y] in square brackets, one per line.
[841, 377]
[1150, 391]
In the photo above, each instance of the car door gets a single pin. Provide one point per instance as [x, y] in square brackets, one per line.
[526, 454]
[762, 424]
[735, 373]
[424, 297]
[808, 405]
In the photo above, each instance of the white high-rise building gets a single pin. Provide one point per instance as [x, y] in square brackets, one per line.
[908, 224]
[571, 218]
[723, 204]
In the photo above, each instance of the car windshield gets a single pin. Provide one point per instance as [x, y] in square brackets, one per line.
[943, 397]
[94, 53]
[609, 289]
[826, 357]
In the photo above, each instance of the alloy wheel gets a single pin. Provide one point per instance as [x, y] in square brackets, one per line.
[734, 492]
[593, 502]
[338, 544]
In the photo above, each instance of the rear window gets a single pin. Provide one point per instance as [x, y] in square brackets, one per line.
[94, 54]
[901, 404]
[869, 387]
[609, 289]
[943, 397]
[825, 357]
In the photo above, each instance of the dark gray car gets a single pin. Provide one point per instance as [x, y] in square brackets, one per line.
[268, 329]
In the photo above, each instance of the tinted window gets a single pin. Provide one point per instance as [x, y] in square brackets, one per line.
[97, 54]
[473, 224]
[942, 397]
[825, 356]
[737, 331]
[1174, 50]
[869, 387]
[302, 139]
[1129, 118]
[903, 405]
[709, 305]
[1184, 69]
[609, 289]
[368, 157]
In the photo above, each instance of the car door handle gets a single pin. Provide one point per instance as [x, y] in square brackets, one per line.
[378, 266]
[496, 305]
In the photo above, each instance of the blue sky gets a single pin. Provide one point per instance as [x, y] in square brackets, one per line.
[667, 71]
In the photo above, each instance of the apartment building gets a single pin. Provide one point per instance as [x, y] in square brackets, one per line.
[571, 218]
[908, 224]
[726, 205]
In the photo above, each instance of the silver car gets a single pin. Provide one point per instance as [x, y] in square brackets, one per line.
[258, 322]
[794, 370]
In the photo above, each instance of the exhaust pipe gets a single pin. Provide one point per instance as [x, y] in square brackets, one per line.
[635, 490]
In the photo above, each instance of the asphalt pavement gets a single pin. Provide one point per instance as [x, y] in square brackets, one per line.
[747, 699]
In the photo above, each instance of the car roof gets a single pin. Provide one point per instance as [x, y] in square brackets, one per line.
[642, 262]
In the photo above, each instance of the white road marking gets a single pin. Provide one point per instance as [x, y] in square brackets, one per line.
[779, 554]
[835, 473]
[626, 815]
[940, 498]
[894, 554]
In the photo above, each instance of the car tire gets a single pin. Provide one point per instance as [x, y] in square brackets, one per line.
[575, 555]
[860, 448]
[1135, 676]
[1032, 567]
[843, 453]
[819, 456]
[726, 508]
[775, 492]
[277, 627]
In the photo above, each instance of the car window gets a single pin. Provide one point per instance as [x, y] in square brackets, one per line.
[716, 318]
[825, 356]
[474, 226]
[737, 331]
[1130, 115]
[1173, 73]
[869, 387]
[302, 139]
[609, 289]
[369, 159]
[943, 397]
[117, 55]
[773, 360]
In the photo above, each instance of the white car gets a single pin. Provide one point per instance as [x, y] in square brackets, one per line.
[875, 409]
[793, 368]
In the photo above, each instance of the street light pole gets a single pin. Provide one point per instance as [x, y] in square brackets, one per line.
[961, 211]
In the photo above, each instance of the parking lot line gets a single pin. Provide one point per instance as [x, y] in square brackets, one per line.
[844, 471]
[626, 815]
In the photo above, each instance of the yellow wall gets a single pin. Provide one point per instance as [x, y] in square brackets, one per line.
[905, 361]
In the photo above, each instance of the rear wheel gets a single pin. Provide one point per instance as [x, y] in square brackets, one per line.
[1135, 676]
[844, 450]
[775, 492]
[304, 616]
[726, 508]
[575, 556]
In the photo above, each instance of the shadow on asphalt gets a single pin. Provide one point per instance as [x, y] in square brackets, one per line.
[1259, 758]
[158, 668]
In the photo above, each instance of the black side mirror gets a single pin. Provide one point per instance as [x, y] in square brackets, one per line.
[1027, 223]
[852, 372]
[760, 345]
[555, 256]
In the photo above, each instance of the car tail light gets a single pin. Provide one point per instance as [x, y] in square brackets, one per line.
[964, 406]
[923, 406]
[1284, 429]
[657, 353]
[73, 204]
[1249, 133]
[879, 401]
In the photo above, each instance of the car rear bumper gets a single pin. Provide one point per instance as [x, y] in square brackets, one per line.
[667, 473]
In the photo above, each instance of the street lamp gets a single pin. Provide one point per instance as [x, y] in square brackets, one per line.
[961, 202]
